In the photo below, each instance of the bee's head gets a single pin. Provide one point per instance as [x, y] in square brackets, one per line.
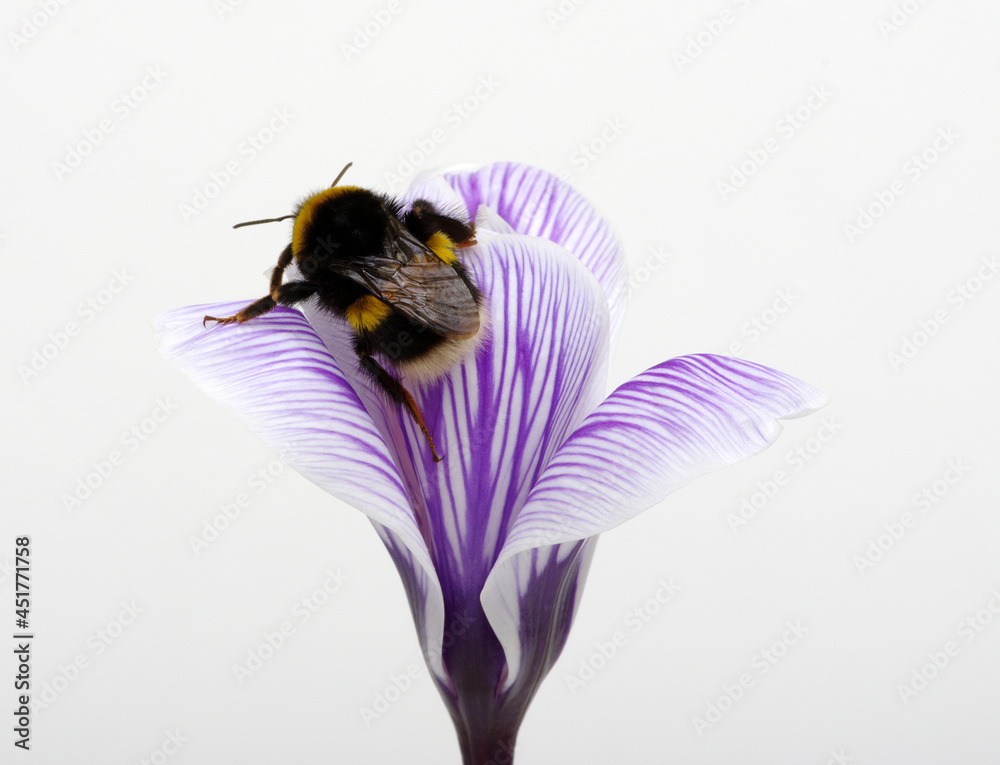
[343, 222]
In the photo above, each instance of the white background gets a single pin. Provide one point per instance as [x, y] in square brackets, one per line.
[557, 85]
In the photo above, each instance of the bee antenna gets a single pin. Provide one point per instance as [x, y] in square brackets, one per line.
[263, 220]
[337, 179]
[292, 215]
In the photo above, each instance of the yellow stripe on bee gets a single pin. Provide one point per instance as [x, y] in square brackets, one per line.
[308, 211]
[442, 246]
[366, 313]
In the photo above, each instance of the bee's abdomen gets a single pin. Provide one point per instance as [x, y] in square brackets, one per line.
[399, 340]
[418, 353]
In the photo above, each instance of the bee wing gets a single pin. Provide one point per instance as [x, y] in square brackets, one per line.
[432, 293]
[419, 285]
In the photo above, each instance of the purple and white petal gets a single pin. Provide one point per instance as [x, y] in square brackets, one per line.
[537, 203]
[488, 222]
[493, 544]
[423, 591]
[546, 589]
[433, 187]
[276, 376]
[679, 420]
[676, 421]
[530, 600]
[498, 416]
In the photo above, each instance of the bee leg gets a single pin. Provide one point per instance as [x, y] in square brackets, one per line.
[423, 220]
[399, 394]
[257, 308]
[265, 304]
[284, 260]
[287, 294]
[293, 292]
[471, 240]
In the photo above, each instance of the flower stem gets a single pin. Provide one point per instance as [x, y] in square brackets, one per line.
[489, 750]
[486, 723]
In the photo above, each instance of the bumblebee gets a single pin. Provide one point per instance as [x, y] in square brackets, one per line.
[392, 274]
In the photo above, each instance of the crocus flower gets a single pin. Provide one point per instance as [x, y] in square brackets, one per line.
[493, 544]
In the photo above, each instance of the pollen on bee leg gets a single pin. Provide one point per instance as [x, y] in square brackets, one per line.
[442, 246]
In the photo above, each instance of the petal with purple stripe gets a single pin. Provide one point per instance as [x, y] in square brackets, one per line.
[423, 591]
[679, 420]
[530, 600]
[498, 416]
[544, 593]
[433, 187]
[276, 376]
[655, 433]
[537, 203]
